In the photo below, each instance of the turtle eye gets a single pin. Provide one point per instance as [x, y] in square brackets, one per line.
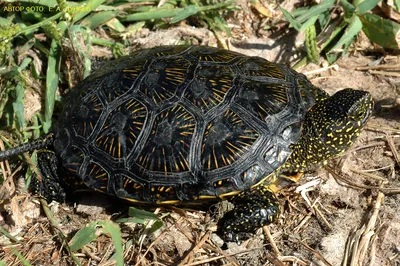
[361, 110]
[358, 114]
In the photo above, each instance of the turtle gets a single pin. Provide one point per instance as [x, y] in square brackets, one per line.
[177, 125]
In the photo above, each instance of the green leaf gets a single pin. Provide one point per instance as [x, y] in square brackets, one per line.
[85, 235]
[24, 64]
[366, 6]
[300, 11]
[141, 214]
[332, 57]
[334, 35]
[381, 31]
[352, 30]
[155, 226]
[397, 5]
[187, 12]
[316, 10]
[324, 19]
[114, 230]
[93, 230]
[142, 217]
[308, 23]
[348, 8]
[295, 24]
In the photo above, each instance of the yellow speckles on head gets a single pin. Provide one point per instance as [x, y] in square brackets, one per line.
[330, 126]
[349, 129]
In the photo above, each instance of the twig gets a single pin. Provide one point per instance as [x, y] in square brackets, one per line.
[396, 155]
[359, 240]
[385, 73]
[316, 253]
[271, 240]
[393, 67]
[195, 248]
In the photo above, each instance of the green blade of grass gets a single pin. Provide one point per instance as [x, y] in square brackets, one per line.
[167, 13]
[352, 30]
[348, 8]
[142, 217]
[84, 9]
[94, 20]
[85, 235]
[316, 10]
[18, 106]
[293, 22]
[335, 33]
[186, 12]
[149, 15]
[116, 25]
[141, 214]
[8, 235]
[115, 233]
[308, 23]
[52, 78]
[92, 231]
[21, 258]
[366, 6]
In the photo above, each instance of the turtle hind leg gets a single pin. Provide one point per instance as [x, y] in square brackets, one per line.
[253, 209]
[50, 184]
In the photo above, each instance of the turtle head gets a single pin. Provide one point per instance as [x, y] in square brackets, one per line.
[330, 127]
[341, 117]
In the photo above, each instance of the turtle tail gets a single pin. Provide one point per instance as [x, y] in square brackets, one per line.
[39, 143]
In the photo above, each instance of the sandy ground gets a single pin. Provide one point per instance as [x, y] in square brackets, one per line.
[345, 213]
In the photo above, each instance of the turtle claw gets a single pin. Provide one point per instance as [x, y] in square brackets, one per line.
[253, 209]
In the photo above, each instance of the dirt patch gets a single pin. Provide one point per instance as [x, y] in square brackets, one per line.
[321, 222]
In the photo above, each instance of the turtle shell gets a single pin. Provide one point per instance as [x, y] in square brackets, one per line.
[181, 123]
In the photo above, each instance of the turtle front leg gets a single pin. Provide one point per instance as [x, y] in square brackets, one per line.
[49, 185]
[254, 208]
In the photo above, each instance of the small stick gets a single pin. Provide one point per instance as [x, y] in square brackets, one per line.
[271, 240]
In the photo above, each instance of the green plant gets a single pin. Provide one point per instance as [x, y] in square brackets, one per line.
[333, 36]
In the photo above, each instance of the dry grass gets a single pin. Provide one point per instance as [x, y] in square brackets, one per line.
[337, 216]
